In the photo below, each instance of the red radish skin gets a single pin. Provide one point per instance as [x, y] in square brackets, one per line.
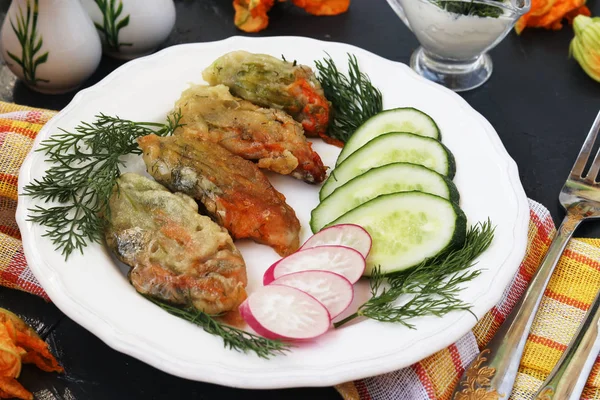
[348, 235]
[341, 260]
[269, 275]
[283, 312]
[333, 291]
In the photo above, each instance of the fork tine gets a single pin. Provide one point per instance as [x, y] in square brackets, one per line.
[593, 172]
[584, 153]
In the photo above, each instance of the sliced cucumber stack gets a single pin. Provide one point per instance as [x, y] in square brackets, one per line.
[390, 178]
[394, 179]
[407, 228]
[396, 120]
[391, 148]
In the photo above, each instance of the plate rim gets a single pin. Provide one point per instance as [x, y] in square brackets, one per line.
[240, 378]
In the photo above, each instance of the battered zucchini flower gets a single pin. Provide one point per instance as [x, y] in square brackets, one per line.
[585, 46]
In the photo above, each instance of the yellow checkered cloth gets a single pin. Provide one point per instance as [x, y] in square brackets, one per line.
[570, 292]
[18, 127]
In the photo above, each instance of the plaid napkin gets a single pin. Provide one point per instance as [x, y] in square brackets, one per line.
[18, 127]
[570, 292]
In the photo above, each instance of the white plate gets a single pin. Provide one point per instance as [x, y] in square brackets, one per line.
[93, 290]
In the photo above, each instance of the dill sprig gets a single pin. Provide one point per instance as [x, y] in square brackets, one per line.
[470, 8]
[86, 165]
[430, 288]
[354, 99]
[233, 338]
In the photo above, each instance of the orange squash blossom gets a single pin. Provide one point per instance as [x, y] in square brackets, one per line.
[549, 14]
[251, 15]
[19, 344]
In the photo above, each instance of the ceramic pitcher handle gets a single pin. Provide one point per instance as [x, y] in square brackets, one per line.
[395, 4]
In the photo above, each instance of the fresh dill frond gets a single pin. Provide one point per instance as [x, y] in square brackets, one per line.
[233, 338]
[85, 166]
[430, 288]
[354, 99]
[470, 8]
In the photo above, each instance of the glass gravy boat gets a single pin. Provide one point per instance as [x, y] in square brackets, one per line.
[455, 36]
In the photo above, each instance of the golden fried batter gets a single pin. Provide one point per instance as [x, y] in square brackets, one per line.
[233, 190]
[176, 254]
[272, 82]
[266, 135]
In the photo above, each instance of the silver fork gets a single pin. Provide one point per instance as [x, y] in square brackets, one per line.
[495, 368]
[567, 379]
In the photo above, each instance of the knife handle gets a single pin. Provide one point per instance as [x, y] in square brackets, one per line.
[567, 379]
[494, 370]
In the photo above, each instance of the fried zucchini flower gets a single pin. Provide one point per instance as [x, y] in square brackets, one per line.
[271, 82]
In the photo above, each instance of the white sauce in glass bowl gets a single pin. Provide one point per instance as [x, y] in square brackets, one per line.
[450, 35]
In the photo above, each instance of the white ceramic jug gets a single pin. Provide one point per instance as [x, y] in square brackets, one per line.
[131, 28]
[51, 45]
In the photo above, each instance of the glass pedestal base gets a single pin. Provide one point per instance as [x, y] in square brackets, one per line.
[458, 76]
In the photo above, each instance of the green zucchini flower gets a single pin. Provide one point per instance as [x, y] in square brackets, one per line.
[585, 46]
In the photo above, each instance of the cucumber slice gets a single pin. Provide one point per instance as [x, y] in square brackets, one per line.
[396, 120]
[407, 228]
[391, 148]
[390, 178]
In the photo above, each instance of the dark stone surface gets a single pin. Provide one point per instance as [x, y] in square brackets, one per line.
[539, 101]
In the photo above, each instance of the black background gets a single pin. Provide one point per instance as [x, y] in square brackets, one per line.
[538, 99]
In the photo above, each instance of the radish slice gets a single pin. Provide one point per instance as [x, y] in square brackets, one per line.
[283, 312]
[338, 259]
[348, 235]
[334, 291]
